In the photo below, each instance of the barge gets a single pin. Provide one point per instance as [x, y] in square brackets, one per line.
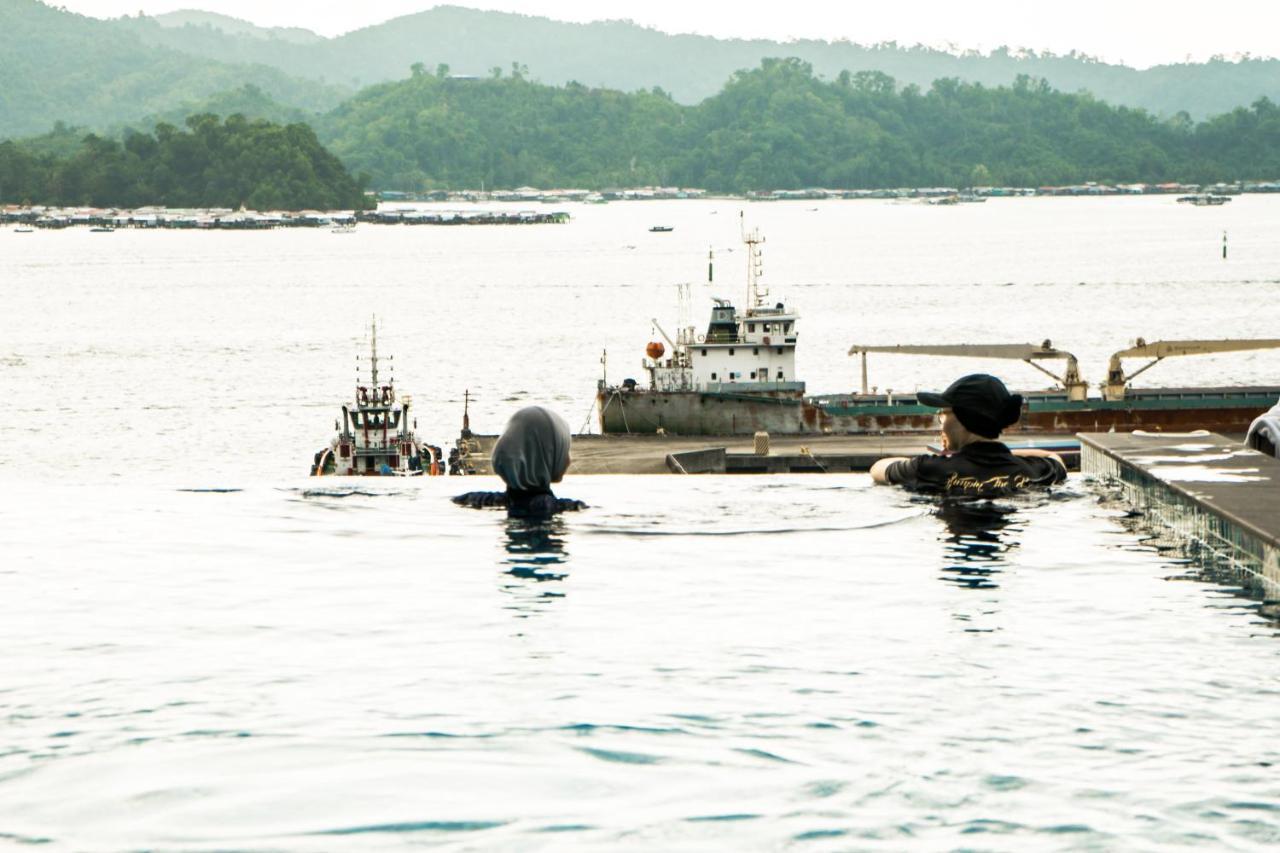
[739, 378]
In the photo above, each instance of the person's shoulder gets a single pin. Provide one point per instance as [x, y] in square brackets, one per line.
[916, 471]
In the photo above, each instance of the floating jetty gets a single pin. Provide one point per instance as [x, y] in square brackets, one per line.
[224, 219]
[1218, 498]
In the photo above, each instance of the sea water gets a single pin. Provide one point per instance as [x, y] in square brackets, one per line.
[202, 649]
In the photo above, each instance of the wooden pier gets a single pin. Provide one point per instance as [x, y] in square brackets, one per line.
[1216, 496]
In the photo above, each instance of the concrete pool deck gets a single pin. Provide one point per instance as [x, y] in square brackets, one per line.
[1212, 492]
[788, 454]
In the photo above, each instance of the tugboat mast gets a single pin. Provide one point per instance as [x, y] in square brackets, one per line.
[374, 348]
[755, 266]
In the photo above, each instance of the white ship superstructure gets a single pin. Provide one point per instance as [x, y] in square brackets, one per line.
[749, 351]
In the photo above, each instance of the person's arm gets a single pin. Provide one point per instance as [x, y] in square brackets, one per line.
[1037, 452]
[880, 468]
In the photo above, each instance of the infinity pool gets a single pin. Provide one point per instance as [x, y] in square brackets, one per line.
[698, 662]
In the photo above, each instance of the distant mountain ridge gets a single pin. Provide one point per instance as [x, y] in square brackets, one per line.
[58, 66]
[235, 26]
[625, 56]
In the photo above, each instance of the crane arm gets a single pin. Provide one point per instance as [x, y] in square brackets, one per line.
[1157, 351]
[664, 334]
[1076, 388]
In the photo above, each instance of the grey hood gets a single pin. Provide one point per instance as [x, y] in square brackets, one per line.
[533, 450]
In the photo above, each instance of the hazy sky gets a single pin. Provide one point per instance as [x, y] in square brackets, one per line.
[1136, 32]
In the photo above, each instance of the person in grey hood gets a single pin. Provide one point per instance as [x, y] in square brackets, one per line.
[531, 454]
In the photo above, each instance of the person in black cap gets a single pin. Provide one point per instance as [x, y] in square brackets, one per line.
[973, 462]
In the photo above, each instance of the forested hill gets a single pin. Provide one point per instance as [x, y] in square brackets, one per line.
[779, 126]
[55, 66]
[620, 55]
[210, 163]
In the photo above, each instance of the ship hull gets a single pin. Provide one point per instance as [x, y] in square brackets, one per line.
[1224, 410]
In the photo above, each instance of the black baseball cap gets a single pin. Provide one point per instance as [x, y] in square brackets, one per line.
[980, 401]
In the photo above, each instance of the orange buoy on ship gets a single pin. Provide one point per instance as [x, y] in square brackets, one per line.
[654, 350]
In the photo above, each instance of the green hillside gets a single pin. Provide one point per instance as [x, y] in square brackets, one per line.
[58, 66]
[210, 163]
[779, 126]
[621, 55]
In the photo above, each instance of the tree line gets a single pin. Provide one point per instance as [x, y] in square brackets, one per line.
[211, 163]
[779, 126]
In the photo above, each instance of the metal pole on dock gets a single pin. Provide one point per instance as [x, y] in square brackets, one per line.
[1224, 245]
[711, 273]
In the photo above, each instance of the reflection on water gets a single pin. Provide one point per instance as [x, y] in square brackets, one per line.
[979, 538]
[535, 552]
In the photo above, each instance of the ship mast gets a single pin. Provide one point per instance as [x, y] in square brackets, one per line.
[755, 266]
[373, 345]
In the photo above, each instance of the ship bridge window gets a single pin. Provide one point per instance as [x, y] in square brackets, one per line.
[779, 375]
[713, 374]
[786, 327]
[755, 350]
[779, 350]
[751, 327]
[730, 350]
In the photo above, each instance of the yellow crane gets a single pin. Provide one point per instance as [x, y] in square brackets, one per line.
[1077, 389]
[1117, 382]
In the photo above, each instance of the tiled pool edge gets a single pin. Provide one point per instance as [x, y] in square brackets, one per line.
[1233, 524]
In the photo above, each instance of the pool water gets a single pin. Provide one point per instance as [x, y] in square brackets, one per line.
[702, 662]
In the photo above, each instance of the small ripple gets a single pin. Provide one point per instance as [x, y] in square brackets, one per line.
[566, 827]
[439, 735]
[768, 756]
[714, 818]
[24, 839]
[620, 757]
[824, 788]
[1005, 783]
[588, 728]
[415, 826]
[818, 834]
[986, 825]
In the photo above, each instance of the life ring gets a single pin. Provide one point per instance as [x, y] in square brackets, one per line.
[702, 339]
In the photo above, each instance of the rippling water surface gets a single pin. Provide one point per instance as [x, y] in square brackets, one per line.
[200, 649]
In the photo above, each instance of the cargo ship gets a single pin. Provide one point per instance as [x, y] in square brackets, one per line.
[739, 378]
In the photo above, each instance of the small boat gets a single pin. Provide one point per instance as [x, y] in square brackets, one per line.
[661, 229]
[102, 229]
[26, 229]
[1204, 200]
[376, 436]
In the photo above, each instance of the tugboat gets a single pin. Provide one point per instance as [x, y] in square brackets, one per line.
[376, 437]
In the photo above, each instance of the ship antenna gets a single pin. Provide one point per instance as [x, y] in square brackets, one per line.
[373, 345]
[755, 266]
